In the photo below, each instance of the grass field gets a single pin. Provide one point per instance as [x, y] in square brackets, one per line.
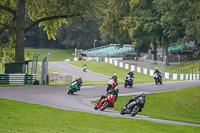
[109, 70]
[184, 67]
[180, 105]
[21, 117]
[56, 55]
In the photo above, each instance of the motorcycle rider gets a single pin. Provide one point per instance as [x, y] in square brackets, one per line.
[114, 82]
[114, 92]
[84, 66]
[79, 82]
[156, 71]
[131, 74]
[134, 98]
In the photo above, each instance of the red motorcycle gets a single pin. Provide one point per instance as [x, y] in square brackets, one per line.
[108, 101]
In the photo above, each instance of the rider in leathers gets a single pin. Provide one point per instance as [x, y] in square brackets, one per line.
[114, 92]
[134, 98]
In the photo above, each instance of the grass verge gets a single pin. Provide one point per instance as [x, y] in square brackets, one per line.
[109, 70]
[23, 117]
[56, 55]
[180, 105]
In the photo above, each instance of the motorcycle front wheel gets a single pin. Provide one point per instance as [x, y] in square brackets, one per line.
[104, 106]
[122, 112]
[69, 91]
[156, 81]
[135, 110]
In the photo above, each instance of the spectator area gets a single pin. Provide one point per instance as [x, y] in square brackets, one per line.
[109, 50]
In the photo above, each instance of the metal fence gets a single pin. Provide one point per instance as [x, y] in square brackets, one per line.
[17, 78]
[151, 64]
[58, 78]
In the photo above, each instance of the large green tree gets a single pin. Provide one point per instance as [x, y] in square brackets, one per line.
[80, 35]
[47, 13]
[115, 11]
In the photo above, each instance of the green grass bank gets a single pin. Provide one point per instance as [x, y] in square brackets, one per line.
[21, 117]
[109, 70]
[180, 105]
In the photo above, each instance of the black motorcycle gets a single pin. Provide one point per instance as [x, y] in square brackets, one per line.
[157, 78]
[135, 106]
[128, 81]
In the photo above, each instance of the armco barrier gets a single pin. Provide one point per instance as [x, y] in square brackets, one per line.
[17, 78]
[146, 71]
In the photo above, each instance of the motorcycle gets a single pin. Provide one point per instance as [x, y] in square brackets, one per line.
[108, 101]
[134, 107]
[128, 81]
[73, 88]
[157, 78]
[84, 68]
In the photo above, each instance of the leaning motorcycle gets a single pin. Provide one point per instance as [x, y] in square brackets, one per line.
[73, 88]
[157, 78]
[108, 101]
[128, 81]
[134, 107]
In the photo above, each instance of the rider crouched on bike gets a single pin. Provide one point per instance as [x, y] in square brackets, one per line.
[79, 82]
[113, 92]
[112, 83]
[134, 98]
[156, 71]
[131, 74]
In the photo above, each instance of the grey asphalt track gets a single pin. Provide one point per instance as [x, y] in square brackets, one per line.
[57, 97]
[76, 71]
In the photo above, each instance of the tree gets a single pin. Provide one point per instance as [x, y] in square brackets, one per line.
[79, 35]
[114, 13]
[139, 24]
[48, 13]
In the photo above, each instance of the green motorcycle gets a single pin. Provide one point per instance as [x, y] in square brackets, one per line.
[73, 88]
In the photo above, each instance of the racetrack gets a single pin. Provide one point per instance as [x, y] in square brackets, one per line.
[76, 71]
[57, 97]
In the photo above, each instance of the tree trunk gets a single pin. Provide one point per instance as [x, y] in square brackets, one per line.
[137, 52]
[154, 50]
[165, 49]
[19, 47]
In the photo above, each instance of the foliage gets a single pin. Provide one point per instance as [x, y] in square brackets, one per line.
[114, 13]
[79, 35]
[49, 14]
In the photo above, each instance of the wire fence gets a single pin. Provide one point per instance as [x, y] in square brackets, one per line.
[151, 64]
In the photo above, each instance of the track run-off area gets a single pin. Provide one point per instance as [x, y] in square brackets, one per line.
[57, 97]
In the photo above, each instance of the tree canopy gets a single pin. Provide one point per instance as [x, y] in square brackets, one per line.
[49, 14]
[137, 22]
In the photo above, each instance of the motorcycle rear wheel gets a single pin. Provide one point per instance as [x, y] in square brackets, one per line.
[135, 110]
[104, 106]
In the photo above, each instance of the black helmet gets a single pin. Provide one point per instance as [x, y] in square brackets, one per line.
[142, 95]
[116, 91]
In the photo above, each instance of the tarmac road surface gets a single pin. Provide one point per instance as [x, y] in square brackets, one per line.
[76, 71]
[57, 97]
